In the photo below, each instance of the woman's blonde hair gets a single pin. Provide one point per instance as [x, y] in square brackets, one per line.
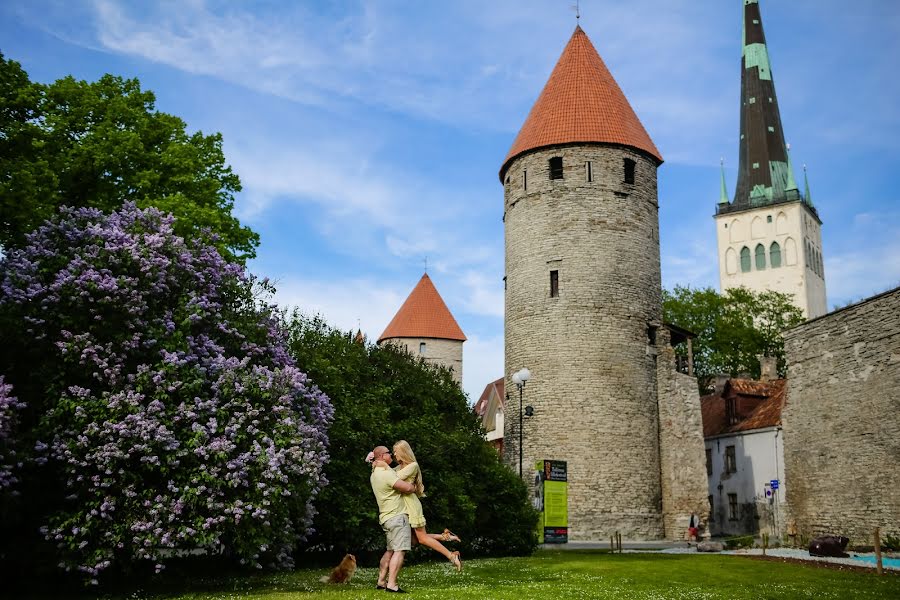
[403, 453]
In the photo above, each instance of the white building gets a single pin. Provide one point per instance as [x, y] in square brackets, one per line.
[745, 457]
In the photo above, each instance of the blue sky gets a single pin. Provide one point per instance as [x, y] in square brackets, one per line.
[368, 135]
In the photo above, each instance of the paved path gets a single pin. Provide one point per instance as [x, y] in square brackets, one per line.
[626, 545]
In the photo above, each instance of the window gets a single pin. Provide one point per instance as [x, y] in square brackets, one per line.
[775, 255]
[769, 219]
[712, 508]
[556, 168]
[730, 462]
[554, 284]
[525, 179]
[730, 411]
[651, 335]
[745, 259]
[421, 347]
[732, 507]
[760, 257]
[709, 462]
[629, 170]
[589, 171]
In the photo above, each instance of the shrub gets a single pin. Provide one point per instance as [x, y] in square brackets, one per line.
[162, 410]
[742, 541]
[384, 394]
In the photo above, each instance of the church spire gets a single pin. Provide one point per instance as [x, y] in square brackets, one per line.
[764, 172]
[723, 196]
[809, 201]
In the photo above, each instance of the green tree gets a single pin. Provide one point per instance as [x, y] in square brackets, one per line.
[733, 329]
[81, 144]
[381, 395]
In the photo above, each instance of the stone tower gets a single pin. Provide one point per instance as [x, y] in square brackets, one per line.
[425, 327]
[770, 236]
[583, 296]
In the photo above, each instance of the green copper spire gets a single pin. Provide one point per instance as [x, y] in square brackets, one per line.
[791, 185]
[765, 174]
[723, 197]
[806, 182]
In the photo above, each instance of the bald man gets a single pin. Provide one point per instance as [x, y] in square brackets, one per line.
[388, 490]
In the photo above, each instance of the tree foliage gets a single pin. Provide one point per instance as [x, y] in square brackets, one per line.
[733, 329]
[381, 395]
[150, 400]
[100, 144]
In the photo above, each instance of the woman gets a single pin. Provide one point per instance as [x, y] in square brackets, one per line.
[408, 470]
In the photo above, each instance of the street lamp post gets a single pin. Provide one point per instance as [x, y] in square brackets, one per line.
[519, 378]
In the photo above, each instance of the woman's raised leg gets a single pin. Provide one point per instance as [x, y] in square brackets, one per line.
[431, 540]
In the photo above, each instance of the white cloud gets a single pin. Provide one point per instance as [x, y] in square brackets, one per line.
[482, 363]
[347, 304]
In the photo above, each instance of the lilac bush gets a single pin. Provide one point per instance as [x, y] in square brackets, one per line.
[164, 411]
[9, 406]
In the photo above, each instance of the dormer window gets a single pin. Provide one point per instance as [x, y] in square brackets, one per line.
[556, 167]
[629, 170]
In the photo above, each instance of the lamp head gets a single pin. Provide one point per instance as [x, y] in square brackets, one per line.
[524, 374]
[516, 378]
[529, 411]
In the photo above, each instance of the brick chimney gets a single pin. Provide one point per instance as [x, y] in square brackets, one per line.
[768, 368]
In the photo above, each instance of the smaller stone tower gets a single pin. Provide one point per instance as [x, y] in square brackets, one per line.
[425, 327]
[770, 236]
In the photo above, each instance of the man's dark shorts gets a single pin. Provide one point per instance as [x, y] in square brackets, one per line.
[398, 533]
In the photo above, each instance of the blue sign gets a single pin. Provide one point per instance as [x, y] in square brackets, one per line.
[774, 484]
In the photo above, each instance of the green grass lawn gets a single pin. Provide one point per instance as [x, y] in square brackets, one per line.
[557, 575]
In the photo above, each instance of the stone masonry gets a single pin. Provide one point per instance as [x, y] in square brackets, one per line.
[682, 456]
[593, 365]
[444, 353]
[842, 421]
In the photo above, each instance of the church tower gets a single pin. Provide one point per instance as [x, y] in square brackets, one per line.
[425, 327]
[583, 296]
[770, 235]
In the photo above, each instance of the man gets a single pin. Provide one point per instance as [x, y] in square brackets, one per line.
[388, 490]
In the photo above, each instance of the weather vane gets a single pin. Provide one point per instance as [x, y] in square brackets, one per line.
[577, 8]
[426, 264]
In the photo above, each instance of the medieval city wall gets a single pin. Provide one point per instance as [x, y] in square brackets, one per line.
[682, 457]
[593, 365]
[842, 420]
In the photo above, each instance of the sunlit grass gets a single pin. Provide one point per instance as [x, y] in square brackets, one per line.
[560, 575]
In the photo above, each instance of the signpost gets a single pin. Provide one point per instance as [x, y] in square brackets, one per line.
[551, 491]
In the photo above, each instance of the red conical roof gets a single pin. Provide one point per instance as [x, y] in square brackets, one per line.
[580, 103]
[423, 315]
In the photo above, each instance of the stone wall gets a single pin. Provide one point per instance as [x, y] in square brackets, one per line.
[446, 353]
[842, 420]
[593, 382]
[682, 456]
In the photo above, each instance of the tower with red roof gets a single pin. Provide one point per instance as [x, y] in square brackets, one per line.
[583, 296]
[425, 327]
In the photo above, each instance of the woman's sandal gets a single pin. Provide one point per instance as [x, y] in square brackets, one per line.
[449, 536]
[455, 561]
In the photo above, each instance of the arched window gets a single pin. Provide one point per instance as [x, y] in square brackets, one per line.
[421, 347]
[730, 261]
[745, 259]
[821, 267]
[760, 257]
[775, 255]
[790, 252]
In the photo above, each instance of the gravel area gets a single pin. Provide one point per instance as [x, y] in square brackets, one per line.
[856, 559]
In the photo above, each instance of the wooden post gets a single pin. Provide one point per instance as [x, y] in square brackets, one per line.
[619, 541]
[612, 544]
[878, 566]
[765, 541]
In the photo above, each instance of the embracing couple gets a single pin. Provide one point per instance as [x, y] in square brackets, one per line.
[397, 492]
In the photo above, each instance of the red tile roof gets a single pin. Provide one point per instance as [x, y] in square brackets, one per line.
[581, 102]
[423, 315]
[482, 403]
[770, 397]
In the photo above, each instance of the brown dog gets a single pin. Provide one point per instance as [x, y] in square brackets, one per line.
[343, 572]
